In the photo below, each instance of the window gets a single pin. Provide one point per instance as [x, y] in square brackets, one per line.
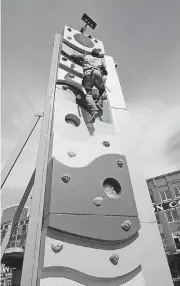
[177, 191]
[12, 238]
[15, 231]
[23, 242]
[18, 243]
[24, 229]
[165, 195]
[177, 242]
[24, 235]
[19, 230]
[11, 244]
[172, 215]
[3, 234]
[8, 282]
[6, 226]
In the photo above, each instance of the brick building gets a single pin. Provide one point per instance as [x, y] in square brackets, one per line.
[165, 195]
[13, 257]
[6, 275]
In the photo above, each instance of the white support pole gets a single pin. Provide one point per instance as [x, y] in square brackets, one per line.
[31, 256]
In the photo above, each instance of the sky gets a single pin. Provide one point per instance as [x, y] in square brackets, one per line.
[143, 38]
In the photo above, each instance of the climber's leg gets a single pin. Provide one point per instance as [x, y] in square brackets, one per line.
[99, 105]
[87, 83]
[99, 83]
[90, 104]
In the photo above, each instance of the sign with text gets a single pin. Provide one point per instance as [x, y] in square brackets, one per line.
[166, 205]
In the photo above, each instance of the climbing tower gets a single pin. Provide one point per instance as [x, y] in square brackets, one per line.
[91, 220]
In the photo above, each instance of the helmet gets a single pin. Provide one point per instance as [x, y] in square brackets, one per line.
[95, 52]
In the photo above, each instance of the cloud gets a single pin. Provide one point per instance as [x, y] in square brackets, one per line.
[155, 123]
[12, 196]
[21, 173]
[173, 147]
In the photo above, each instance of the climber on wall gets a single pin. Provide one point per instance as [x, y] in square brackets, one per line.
[94, 73]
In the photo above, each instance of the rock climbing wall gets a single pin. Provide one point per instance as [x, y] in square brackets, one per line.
[91, 228]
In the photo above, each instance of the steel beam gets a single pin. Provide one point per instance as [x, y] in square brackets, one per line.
[17, 215]
[31, 256]
[18, 149]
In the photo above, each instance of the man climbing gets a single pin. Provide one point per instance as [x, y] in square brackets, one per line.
[93, 73]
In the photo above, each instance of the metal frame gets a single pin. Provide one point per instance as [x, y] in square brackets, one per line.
[18, 149]
[32, 250]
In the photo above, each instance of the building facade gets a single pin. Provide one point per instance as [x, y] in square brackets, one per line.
[6, 275]
[12, 260]
[165, 195]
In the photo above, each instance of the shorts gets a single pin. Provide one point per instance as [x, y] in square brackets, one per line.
[93, 78]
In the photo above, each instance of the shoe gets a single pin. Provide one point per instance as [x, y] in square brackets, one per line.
[84, 91]
[100, 113]
[93, 117]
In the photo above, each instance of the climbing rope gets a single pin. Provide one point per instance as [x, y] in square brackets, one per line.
[107, 88]
[84, 45]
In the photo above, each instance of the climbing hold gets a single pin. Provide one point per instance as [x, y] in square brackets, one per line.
[126, 225]
[65, 87]
[114, 259]
[72, 119]
[64, 59]
[98, 201]
[106, 143]
[69, 29]
[112, 188]
[71, 154]
[73, 65]
[120, 163]
[71, 76]
[56, 247]
[96, 41]
[69, 38]
[90, 37]
[65, 178]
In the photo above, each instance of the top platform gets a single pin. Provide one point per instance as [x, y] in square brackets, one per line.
[81, 42]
